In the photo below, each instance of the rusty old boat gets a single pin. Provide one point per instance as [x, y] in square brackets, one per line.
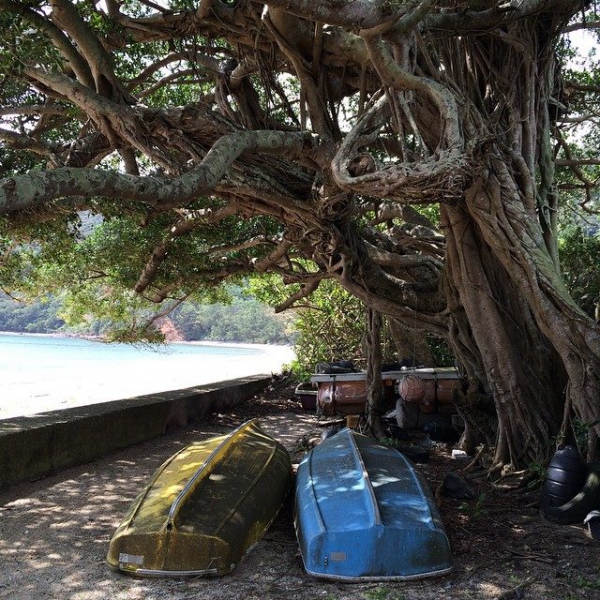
[346, 393]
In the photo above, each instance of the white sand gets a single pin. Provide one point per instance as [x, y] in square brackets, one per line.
[39, 388]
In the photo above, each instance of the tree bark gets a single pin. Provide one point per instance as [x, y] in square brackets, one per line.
[561, 342]
[519, 364]
[374, 381]
[411, 344]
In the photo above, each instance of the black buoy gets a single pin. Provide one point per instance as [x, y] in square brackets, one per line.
[565, 477]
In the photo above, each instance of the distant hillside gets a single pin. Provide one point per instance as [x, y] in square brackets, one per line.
[245, 320]
[37, 317]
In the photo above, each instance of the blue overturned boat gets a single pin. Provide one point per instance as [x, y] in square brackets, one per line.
[363, 513]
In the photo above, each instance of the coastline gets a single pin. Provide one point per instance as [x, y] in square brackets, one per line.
[92, 338]
[80, 375]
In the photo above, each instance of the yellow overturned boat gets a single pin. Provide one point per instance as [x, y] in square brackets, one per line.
[205, 507]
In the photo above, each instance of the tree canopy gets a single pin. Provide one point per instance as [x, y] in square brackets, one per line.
[418, 152]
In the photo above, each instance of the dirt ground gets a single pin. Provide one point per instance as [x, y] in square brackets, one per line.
[54, 534]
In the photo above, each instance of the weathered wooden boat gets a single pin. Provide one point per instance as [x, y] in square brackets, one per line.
[362, 512]
[205, 507]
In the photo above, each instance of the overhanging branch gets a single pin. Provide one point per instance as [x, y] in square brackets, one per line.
[38, 187]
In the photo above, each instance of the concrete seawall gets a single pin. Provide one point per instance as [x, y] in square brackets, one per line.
[36, 446]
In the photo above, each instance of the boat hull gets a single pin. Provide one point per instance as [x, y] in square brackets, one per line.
[204, 508]
[363, 513]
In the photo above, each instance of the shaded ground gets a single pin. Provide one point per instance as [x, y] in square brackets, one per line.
[54, 534]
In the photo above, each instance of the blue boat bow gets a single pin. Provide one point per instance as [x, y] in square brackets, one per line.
[364, 513]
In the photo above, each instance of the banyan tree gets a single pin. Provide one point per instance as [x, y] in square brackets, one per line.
[411, 150]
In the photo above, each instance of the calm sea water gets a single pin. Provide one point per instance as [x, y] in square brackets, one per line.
[40, 373]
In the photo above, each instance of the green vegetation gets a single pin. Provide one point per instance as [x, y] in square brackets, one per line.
[327, 327]
[244, 319]
[330, 325]
[586, 581]
[475, 510]
[37, 317]
[580, 256]
[241, 319]
[382, 593]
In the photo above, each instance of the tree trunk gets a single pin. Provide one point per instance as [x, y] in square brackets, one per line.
[556, 338]
[478, 413]
[374, 381]
[520, 366]
[513, 323]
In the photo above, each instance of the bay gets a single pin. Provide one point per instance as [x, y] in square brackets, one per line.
[40, 373]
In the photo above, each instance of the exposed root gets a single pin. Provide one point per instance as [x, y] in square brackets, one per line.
[477, 459]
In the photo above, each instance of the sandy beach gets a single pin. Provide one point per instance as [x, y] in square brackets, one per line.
[30, 387]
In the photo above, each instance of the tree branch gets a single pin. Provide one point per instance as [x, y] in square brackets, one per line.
[403, 24]
[588, 25]
[404, 261]
[35, 188]
[261, 265]
[306, 289]
[442, 178]
[579, 174]
[466, 21]
[194, 220]
[356, 15]
[25, 142]
[309, 89]
[57, 37]
[98, 59]
[37, 109]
